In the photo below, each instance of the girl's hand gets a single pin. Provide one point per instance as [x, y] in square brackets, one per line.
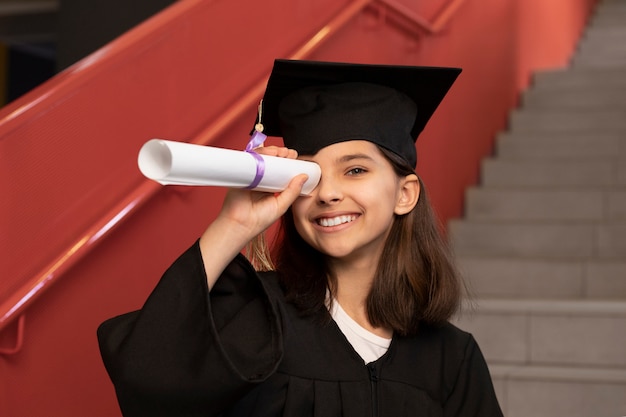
[244, 215]
[255, 211]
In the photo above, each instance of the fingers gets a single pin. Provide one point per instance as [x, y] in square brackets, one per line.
[292, 192]
[254, 208]
[278, 151]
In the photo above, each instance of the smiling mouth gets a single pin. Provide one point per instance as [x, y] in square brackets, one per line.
[335, 221]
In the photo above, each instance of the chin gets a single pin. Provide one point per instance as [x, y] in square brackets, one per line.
[339, 253]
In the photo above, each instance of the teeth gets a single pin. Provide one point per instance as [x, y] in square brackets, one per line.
[335, 220]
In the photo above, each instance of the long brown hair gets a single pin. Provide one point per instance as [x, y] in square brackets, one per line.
[415, 282]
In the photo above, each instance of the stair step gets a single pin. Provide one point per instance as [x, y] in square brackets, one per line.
[558, 373]
[553, 173]
[607, 13]
[580, 78]
[532, 240]
[613, 49]
[561, 145]
[498, 204]
[575, 99]
[561, 205]
[549, 332]
[607, 57]
[603, 41]
[559, 120]
[549, 391]
[598, 32]
[607, 19]
[517, 278]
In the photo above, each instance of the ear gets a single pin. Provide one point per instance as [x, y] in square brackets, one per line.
[409, 194]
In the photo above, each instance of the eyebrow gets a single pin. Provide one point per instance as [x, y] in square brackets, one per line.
[343, 158]
[352, 157]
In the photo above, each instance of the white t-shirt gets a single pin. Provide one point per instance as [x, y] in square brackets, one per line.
[368, 345]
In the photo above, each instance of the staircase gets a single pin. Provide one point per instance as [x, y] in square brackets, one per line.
[543, 241]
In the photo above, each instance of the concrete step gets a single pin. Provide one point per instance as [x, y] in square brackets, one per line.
[602, 41]
[592, 173]
[549, 391]
[597, 31]
[610, 3]
[607, 12]
[561, 145]
[568, 121]
[611, 58]
[609, 98]
[607, 18]
[584, 204]
[553, 240]
[549, 332]
[498, 204]
[602, 47]
[580, 79]
[537, 278]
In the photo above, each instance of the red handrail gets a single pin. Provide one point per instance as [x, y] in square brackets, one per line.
[432, 28]
[33, 288]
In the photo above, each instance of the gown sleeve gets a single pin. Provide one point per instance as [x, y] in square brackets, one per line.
[189, 353]
[473, 394]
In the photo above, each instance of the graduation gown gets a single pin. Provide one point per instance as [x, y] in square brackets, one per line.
[242, 350]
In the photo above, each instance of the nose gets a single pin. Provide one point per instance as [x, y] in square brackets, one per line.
[328, 191]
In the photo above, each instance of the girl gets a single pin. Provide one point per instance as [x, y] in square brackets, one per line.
[352, 321]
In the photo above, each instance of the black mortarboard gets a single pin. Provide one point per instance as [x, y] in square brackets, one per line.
[312, 104]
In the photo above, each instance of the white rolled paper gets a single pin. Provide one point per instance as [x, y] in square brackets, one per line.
[179, 163]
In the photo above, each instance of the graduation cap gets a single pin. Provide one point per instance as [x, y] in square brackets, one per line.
[313, 104]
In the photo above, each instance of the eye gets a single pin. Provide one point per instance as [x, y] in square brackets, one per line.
[356, 171]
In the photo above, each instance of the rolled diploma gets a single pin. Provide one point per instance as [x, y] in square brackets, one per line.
[179, 163]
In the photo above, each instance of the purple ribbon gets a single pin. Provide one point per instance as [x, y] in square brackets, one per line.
[256, 140]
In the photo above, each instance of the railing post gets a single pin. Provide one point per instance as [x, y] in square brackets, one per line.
[19, 338]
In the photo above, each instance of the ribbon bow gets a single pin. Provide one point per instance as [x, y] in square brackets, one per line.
[256, 140]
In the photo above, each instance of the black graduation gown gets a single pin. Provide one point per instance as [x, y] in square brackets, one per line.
[244, 351]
